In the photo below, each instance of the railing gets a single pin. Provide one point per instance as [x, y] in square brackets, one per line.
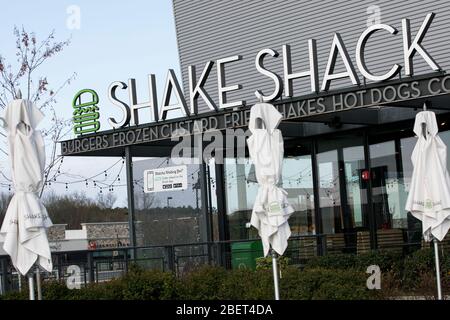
[105, 264]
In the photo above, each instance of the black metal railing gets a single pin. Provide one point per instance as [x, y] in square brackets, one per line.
[105, 264]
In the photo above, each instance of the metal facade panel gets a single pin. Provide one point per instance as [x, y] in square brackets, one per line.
[209, 30]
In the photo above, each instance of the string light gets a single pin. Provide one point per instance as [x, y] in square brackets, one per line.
[56, 179]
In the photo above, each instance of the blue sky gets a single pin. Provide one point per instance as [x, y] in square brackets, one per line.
[117, 40]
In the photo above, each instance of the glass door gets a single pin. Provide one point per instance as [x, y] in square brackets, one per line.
[342, 191]
[388, 193]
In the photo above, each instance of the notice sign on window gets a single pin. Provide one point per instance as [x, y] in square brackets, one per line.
[165, 179]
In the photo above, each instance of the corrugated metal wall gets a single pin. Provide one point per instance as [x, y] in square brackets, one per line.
[209, 30]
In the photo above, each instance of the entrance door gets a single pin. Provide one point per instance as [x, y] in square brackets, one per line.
[388, 192]
[342, 193]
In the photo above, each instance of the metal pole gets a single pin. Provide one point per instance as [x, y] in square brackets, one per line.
[321, 242]
[222, 213]
[130, 193]
[4, 279]
[31, 285]
[90, 262]
[438, 270]
[275, 275]
[38, 283]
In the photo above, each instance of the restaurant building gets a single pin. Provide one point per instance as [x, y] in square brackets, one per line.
[348, 77]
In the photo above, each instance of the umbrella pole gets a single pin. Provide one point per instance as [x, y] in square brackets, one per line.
[38, 283]
[275, 275]
[438, 271]
[19, 279]
[31, 285]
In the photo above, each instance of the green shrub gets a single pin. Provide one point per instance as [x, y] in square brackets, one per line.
[327, 277]
[148, 285]
[332, 261]
[247, 285]
[201, 284]
[110, 290]
[51, 290]
[417, 265]
[388, 261]
[341, 285]
[294, 285]
[420, 266]
[56, 290]
[265, 263]
[325, 284]
[15, 295]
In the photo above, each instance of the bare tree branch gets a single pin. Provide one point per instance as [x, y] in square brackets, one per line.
[30, 55]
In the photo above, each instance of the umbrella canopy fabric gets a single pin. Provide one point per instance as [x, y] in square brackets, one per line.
[26, 219]
[271, 209]
[429, 194]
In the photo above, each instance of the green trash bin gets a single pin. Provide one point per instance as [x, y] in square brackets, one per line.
[244, 254]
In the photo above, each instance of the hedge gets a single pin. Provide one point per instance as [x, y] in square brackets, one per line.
[326, 277]
[414, 273]
[214, 283]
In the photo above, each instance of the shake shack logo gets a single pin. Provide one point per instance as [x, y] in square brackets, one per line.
[428, 204]
[274, 207]
[36, 216]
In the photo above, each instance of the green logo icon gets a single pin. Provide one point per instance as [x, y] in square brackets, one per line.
[85, 114]
[274, 207]
[428, 204]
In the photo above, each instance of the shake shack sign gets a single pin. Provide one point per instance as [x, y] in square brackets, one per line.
[308, 106]
[130, 129]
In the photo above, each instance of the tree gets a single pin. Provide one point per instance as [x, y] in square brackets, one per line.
[106, 200]
[144, 201]
[31, 54]
[76, 208]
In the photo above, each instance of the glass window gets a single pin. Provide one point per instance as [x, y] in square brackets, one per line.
[343, 196]
[169, 217]
[329, 193]
[297, 180]
[355, 190]
[414, 227]
[388, 192]
[241, 188]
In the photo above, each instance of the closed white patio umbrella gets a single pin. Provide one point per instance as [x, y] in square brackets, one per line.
[26, 220]
[271, 209]
[429, 194]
